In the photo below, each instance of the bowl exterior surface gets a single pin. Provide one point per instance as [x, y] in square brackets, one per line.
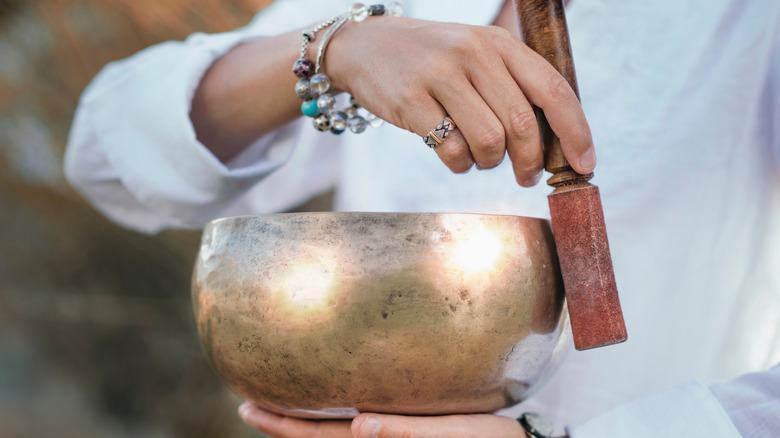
[325, 315]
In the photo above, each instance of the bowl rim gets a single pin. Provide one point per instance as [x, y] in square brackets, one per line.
[227, 219]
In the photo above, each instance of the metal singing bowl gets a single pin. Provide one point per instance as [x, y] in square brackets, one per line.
[326, 315]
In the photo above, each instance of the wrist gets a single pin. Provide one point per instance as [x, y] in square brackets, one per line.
[338, 60]
[351, 49]
[316, 87]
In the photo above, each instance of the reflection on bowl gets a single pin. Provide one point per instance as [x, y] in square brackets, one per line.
[325, 315]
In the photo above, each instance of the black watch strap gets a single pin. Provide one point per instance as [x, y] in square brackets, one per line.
[535, 425]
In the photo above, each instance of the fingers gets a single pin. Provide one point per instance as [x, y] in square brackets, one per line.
[547, 89]
[491, 105]
[287, 427]
[523, 142]
[486, 80]
[397, 426]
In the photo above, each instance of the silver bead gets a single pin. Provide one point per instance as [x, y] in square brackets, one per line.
[394, 9]
[320, 83]
[326, 103]
[359, 12]
[338, 122]
[322, 122]
[353, 101]
[303, 89]
[374, 121]
[356, 124]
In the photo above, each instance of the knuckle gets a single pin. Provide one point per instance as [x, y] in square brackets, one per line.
[583, 139]
[467, 41]
[499, 35]
[501, 32]
[578, 139]
[414, 97]
[404, 110]
[529, 176]
[453, 154]
[462, 167]
[400, 117]
[397, 117]
[440, 68]
[491, 140]
[491, 165]
[559, 88]
[456, 158]
[523, 125]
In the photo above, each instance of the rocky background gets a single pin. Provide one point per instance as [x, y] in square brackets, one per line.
[97, 338]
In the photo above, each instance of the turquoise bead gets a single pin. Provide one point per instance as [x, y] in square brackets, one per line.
[309, 108]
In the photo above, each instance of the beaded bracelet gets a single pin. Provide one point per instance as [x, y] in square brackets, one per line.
[314, 84]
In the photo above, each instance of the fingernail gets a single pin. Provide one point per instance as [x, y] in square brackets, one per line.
[370, 428]
[538, 177]
[530, 181]
[588, 160]
[243, 410]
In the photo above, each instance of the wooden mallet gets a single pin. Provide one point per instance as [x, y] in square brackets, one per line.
[575, 204]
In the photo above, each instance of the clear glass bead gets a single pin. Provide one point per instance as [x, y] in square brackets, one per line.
[320, 83]
[338, 121]
[395, 9]
[351, 112]
[303, 89]
[359, 12]
[326, 103]
[357, 124]
[374, 121]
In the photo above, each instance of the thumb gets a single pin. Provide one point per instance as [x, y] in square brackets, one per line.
[398, 426]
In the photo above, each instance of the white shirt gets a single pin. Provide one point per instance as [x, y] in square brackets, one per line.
[683, 100]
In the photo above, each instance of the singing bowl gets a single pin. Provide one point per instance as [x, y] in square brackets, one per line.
[326, 315]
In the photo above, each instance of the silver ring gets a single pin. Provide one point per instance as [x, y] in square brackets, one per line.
[437, 136]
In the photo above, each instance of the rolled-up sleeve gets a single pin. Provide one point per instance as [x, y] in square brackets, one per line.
[688, 410]
[748, 406]
[132, 150]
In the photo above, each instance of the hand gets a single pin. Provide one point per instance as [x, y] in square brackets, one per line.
[382, 426]
[413, 73]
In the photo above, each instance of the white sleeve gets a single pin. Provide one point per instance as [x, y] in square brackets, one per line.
[132, 150]
[753, 402]
[774, 91]
[745, 407]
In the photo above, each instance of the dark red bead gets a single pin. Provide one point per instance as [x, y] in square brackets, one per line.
[303, 68]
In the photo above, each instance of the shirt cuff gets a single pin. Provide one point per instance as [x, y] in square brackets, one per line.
[155, 151]
[689, 410]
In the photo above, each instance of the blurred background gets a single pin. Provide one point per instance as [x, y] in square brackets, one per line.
[97, 337]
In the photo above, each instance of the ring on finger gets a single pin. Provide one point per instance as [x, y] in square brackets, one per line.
[437, 135]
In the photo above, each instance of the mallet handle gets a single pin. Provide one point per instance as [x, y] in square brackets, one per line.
[543, 25]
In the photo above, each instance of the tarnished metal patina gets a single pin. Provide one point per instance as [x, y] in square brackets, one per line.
[325, 315]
